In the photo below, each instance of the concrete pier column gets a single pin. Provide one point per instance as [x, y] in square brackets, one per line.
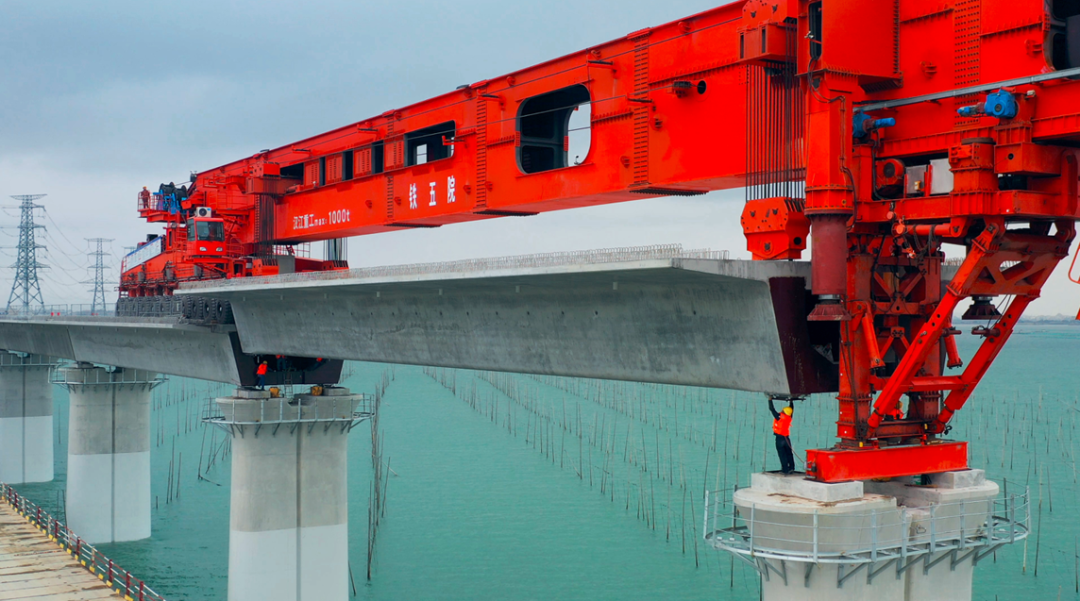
[108, 481]
[26, 418]
[954, 504]
[890, 541]
[289, 522]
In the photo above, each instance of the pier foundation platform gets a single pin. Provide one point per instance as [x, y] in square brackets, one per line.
[26, 418]
[108, 480]
[288, 530]
[890, 540]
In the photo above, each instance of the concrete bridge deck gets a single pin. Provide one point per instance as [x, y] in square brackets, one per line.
[159, 344]
[649, 314]
[679, 318]
[167, 345]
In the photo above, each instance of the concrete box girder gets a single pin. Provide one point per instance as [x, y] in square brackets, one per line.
[689, 321]
[160, 345]
[702, 322]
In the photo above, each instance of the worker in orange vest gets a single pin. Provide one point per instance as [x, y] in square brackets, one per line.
[260, 375]
[144, 198]
[781, 427]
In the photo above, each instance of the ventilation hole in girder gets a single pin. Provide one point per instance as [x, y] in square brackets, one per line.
[1063, 9]
[427, 145]
[555, 129]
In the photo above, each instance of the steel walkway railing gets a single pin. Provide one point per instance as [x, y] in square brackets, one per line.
[120, 580]
[873, 539]
[278, 411]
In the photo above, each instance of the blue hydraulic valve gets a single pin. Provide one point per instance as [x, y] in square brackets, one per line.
[864, 124]
[1000, 104]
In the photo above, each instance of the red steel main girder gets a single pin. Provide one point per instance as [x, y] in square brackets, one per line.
[671, 108]
[645, 136]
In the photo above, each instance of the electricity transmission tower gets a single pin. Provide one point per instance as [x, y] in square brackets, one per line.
[25, 290]
[99, 274]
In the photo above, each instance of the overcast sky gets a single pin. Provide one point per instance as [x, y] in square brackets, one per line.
[98, 99]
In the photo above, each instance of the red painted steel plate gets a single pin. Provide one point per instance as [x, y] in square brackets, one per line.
[829, 465]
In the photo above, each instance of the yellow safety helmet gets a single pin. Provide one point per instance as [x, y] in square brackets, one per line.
[788, 410]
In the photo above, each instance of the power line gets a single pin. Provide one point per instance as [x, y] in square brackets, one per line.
[26, 289]
[69, 262]
[56, 226]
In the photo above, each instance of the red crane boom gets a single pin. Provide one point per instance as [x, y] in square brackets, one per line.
[883, 130]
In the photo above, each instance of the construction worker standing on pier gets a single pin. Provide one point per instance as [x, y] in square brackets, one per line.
[260, 375]
[781, 427]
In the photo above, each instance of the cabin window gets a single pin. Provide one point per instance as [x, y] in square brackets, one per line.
[579, 134]
[426, 145]
[1063, 9]
[1064, 36]
[293, 172]
[544, 125]
[377, 153]
[816, 25]
[210, 231]
[347, 165]
[1059, 51]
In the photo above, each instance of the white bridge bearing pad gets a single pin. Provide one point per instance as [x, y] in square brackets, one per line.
[948, 488]
[785, 518]
[796, 485]
[792, 522]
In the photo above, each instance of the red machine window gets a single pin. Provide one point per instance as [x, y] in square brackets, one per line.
[426, 145]
[544, 126]
[210, 231]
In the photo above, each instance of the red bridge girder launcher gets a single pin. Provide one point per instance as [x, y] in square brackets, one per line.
[880, 131]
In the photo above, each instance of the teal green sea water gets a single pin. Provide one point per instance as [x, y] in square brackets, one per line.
[504, 486]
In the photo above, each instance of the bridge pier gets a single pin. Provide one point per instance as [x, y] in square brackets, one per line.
[289, 532]
[893, 541]
[108, 481]
[26, 418]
